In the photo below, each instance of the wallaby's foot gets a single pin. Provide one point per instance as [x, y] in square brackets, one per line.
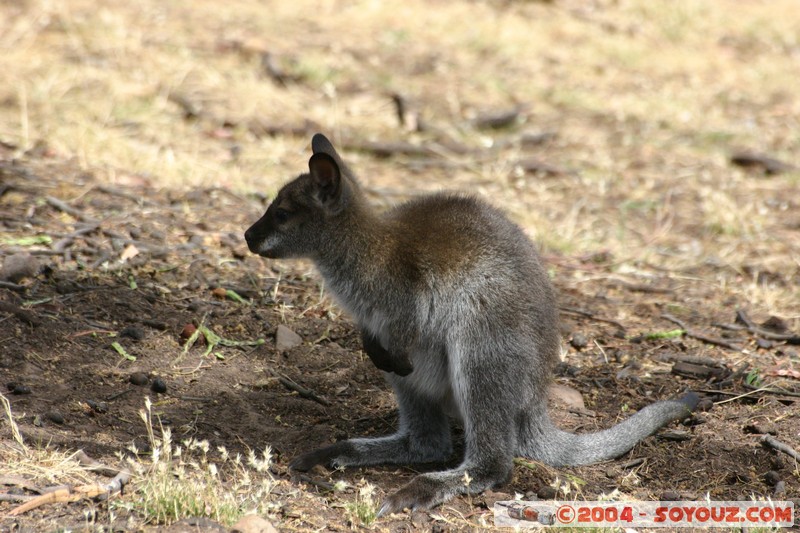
[392, 449]
[327, 456]
[428, 490]
[421, 493]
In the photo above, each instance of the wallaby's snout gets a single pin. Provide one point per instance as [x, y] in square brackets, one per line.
[256, 237]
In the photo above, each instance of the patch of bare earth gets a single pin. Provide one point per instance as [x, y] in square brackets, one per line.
[91, 291]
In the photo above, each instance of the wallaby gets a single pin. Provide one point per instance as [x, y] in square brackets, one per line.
[453, 303]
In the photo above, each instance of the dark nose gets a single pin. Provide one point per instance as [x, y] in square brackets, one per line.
[251, 236]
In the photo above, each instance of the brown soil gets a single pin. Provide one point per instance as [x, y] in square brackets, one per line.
[59, 327]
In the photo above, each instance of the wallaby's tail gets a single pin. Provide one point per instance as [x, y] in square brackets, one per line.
[555, 447]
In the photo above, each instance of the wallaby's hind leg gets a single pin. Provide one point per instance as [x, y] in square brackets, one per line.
[423, 436]
[490, 437]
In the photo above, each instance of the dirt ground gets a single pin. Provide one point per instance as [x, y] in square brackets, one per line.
[651, 150]
[59, 327]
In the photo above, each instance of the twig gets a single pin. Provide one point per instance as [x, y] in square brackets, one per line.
[715, 391]
[589, 314]
[772, 442]
[26, 316]
[699, 336]
[324, 485]
[119, 394]
[12, 286]
[390, 148]
[18, 481]
[302, 391]
[701, 371]
[790, 338]
[633, 463]
[111, 191]
[66, 208]
[67, 240]
[70, 494]
[639, 287]
[94, 465]
[693, 359]
[16, 497]
[769, 165]
[773, 391]
[746, 394]
[737, 374]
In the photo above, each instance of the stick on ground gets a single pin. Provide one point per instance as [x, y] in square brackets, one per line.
[699, 336]
[772, 442]
[302, 391]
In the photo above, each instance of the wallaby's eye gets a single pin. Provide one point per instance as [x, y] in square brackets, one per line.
[281, 215]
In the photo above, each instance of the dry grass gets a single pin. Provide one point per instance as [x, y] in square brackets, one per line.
[171, 482]
[38, 463]
[647, 99]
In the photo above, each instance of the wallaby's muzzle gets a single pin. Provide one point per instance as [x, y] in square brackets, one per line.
[256, 238]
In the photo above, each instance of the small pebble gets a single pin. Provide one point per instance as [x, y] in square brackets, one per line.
[670, 496]
[738, 476]
[55, 417]
[19, 266]
[546, 493]
[188, 331]
[159, 385]
[772, 478]
[286, 339]
[142, 445]
[139, 379]
[220, 293]
[252, 524]
[776, 324]
[97, 407]
[155, 324]
[764, 344]
[760, 428]
[196, 306]
[18, 388]
[132, 332]
[579, 341]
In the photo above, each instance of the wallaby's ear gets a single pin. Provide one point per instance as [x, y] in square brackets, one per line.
[326, 176]
[321, 145]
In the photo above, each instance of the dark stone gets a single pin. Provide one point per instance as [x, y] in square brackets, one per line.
[139, 379]
[132, 332]
[579, 341]
[772, 478]
[158, 386]
[55, 417]
[546, 493]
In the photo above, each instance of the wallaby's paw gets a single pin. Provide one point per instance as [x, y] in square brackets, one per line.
[690, 400]
[421, 493]
[326, 456]
[403, 367]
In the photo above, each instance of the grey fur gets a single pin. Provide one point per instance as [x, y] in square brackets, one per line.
[454, 303]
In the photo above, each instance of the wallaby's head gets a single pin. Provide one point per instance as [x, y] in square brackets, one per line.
[305, 209]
